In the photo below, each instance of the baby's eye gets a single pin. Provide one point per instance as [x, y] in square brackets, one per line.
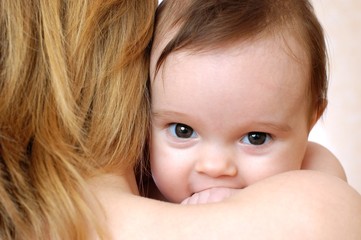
[180, 130]
[256, 138]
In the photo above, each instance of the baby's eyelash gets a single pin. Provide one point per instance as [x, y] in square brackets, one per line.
[256, 138]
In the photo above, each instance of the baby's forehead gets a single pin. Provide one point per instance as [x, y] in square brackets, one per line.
[288, 41]
[160, 41]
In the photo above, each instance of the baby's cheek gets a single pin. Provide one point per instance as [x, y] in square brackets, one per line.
[168, 180]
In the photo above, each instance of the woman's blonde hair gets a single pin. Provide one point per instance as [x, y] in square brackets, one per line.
[73, 104]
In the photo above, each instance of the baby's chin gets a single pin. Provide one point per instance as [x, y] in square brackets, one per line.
[210, 195]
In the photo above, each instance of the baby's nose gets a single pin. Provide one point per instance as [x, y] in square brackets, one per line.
[217, 163]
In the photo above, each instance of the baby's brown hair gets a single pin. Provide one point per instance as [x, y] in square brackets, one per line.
[201, 25]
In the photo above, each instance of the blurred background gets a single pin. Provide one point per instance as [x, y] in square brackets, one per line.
[340, 128]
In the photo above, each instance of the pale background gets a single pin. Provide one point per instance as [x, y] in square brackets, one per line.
[340, 127]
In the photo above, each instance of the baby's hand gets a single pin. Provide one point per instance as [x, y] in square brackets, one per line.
[210, 195]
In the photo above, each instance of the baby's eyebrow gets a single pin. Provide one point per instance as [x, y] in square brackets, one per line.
[167, 113]
[276, 126]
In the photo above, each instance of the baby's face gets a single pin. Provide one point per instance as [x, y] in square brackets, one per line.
[228, 117]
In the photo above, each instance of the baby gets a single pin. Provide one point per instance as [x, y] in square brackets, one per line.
[236, 87]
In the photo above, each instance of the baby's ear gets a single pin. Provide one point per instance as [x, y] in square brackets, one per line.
[317, 113]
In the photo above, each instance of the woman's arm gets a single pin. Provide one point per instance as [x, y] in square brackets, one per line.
[292, 205]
